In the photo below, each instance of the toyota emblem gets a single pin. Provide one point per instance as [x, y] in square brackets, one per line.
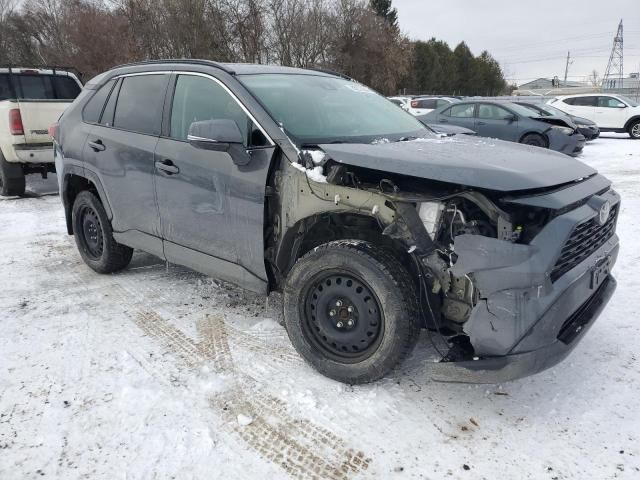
[603, 214]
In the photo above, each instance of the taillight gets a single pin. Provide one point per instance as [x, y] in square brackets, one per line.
[15, 122]
[53, 131]
[414, 104]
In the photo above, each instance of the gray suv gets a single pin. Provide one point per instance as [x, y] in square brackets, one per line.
[306, 182]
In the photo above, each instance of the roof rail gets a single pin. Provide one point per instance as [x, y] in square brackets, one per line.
[188, 61]
[330, 72]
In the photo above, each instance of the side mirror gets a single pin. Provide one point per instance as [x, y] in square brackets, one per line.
[510, 118]
[218, 134]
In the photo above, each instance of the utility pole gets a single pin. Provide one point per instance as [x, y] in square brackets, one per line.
[566, 69]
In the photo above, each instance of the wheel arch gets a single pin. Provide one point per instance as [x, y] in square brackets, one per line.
[75, 182]
[631, 121]
[534, 132]
[318, 229]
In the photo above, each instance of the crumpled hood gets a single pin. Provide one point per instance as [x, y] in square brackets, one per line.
[471, 161]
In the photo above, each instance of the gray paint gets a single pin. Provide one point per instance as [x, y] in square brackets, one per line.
[511, 130]
[475, 162]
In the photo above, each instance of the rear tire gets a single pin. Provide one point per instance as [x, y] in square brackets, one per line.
[350, 310]
[12, 182]
[535, 140]
[94, 236]
[634, 130]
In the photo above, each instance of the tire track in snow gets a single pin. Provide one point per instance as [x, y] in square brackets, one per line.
[298, 446]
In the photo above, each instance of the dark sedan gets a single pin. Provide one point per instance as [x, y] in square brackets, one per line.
[511, 122]
[588, 128]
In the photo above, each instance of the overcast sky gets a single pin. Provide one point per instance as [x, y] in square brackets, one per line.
[530, 39]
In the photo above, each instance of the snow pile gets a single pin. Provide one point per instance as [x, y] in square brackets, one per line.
[314, 173]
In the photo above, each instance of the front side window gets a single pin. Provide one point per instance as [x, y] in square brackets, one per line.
[317, 109]
[198, 98]
[441, 103]
[461, 111]
[610, 102]
[492, 112]
[140, 101]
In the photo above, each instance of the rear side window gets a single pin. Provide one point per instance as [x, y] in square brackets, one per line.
[93, 109]
[492, 112]
[198, 98]
[140, 102]
[460, 111]
[581, 101]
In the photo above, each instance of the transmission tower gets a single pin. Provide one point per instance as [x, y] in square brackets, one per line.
[615, 68]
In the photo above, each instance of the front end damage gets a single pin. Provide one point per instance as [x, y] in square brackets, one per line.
[508, 283]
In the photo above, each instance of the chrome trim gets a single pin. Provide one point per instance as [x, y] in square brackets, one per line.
[211, 77]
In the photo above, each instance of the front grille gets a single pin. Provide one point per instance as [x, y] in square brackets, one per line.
[585, 239]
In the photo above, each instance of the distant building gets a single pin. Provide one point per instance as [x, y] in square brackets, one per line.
[627, 85]
[547, 83]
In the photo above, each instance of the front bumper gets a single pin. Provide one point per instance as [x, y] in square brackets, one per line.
[589, 132]
[523, 322]
[568, 144]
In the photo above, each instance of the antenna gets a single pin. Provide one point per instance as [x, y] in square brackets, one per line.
[615, 69]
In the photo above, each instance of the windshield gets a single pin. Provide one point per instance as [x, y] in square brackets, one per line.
[546, 110]
[315, 110]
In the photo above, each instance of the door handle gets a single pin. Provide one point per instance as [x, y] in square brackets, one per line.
[167, 166]
[481, 123]
[444, 120]
[97, 146]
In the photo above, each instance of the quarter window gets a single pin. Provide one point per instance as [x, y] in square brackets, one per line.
[140, 101]
[461, 111]
[198, 98]
[93, 109]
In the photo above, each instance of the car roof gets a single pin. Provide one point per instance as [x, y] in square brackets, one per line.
[587, 95]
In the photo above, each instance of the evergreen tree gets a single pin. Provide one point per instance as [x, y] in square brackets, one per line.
[383, 9]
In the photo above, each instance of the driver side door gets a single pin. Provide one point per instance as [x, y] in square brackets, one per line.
[496, 122]
[211, 203]
[610, 112]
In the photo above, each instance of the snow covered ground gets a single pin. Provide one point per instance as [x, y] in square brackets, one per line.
[165, 373]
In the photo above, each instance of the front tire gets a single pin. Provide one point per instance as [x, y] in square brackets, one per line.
[12, 182]
[350, 310]
[94, 236]
[534, 140]
[634, 130]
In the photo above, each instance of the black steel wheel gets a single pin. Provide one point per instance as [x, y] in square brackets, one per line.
[12, 181]
[94, 235]
[343, 316]
[350, 310]
[535, 140]
[91, 235]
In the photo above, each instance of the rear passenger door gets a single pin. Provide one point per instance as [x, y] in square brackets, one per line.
[496, 122]
[120, 153]
[212, 209]
[459, 114]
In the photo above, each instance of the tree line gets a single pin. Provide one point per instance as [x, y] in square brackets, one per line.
[358, 38]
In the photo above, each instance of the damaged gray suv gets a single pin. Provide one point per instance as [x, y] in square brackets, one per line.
[305, 182]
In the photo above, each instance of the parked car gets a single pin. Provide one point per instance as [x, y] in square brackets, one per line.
[423, 105]
[586, 127]
[511, 122]
[402, 102]
[276, 179]
[31, 99]
[612, 113]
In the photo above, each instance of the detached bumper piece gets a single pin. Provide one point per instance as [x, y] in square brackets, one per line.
[514, 366]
